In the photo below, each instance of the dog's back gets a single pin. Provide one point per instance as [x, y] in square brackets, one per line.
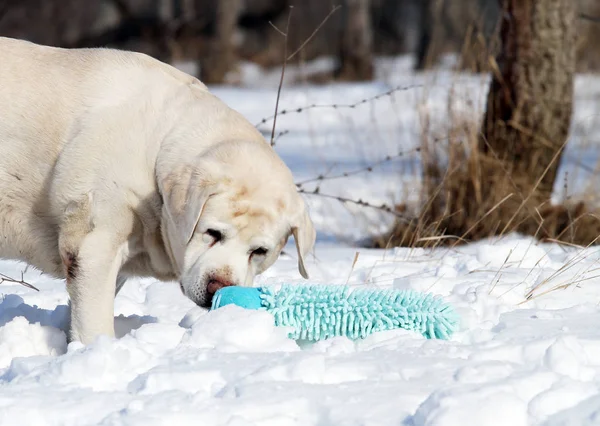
[36, 105]
[43, 92]
[43, 88]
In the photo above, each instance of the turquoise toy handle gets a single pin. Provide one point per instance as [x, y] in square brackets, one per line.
[244, 297]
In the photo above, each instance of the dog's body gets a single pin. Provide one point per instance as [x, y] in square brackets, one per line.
[114, 164]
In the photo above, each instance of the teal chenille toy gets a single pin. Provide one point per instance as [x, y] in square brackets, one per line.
[317, 312]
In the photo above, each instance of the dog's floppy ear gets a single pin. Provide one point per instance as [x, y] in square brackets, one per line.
[185, 193]
[304, 235]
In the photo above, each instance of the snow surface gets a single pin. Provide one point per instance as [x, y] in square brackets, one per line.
[515, 361]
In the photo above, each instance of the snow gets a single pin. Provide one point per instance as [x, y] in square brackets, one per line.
[516, 360]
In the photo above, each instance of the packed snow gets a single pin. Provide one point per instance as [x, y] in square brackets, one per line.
[527, 351]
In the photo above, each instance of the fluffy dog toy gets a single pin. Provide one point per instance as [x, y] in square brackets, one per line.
[317, 312]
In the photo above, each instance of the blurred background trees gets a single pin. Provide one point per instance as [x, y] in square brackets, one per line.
[216, 34]
[507, 166]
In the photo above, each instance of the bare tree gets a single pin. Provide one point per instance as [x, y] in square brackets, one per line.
[530, 100]
[356, 56]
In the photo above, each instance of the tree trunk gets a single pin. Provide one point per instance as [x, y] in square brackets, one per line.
[221, 55]
[356, 56]
[530, 100]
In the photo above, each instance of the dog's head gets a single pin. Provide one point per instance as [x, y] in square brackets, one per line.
[228, 214]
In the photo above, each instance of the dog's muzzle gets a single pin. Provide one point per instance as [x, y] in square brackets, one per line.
[215, 285]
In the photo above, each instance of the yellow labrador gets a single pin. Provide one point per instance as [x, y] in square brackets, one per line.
[114, 164]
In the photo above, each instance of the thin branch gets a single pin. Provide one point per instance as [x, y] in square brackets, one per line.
[352, 267]
[554, 158]
[285, 46]
[277, 29]
[6, 278]
[499, 273]
[314, 32]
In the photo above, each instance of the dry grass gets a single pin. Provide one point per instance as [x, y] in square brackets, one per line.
[467, 196]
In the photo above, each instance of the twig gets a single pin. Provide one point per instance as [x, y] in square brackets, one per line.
[352, 267]
[439, 238]
[287, 30]
[525, 279]
[6, 278]
[557, 241]
[537, 183]
[499, 273]
[314, 32]
[484, 216]
[277, 29]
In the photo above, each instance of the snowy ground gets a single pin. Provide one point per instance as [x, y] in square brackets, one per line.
[513, 361]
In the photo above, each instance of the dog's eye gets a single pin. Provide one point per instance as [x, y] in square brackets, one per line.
[261, 251]
[214, 234]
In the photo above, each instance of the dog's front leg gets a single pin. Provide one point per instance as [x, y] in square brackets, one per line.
[91, 282]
